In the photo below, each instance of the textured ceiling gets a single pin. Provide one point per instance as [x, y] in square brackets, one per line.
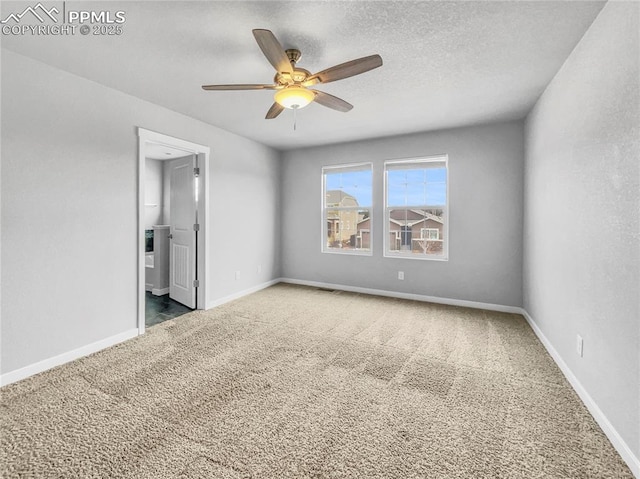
[446, 64]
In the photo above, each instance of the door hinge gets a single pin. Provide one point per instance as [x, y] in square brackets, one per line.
[196, 283]
[196, 171]
[196, 227]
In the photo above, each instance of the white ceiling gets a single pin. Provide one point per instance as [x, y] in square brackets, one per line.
[155, 151]
[446, 64]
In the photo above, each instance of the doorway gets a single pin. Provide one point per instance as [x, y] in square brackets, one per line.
[173, 197]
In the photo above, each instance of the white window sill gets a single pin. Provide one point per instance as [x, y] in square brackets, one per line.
[353, 252]
[419, 257]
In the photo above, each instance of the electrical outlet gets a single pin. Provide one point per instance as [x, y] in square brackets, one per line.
[237, 275]
[579, 345]
[401, 275]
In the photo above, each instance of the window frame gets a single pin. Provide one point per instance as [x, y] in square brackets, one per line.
[364, 166]
[446, 210]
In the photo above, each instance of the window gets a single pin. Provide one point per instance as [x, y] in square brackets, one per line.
[430, 233]
[416, 208]
[346, 209]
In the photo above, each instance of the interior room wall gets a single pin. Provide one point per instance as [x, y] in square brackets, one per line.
[166, 193]
[582, 208]
[485, 213]
[69, 236]
[153, 192]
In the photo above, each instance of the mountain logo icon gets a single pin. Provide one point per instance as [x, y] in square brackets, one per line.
[39, 11]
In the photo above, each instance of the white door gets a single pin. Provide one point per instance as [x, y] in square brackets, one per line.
[183, 218]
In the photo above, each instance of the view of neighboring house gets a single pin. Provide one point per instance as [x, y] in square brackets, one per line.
[363, 237]
[415, 230]
[419, 231]
[410, 230]
[342, 224]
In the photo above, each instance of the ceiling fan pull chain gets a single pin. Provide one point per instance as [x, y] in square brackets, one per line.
[295, 108]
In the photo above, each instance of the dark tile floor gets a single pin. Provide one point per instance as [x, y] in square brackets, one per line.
[161, 308]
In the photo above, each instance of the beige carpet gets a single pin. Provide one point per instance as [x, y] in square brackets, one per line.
[295, 382]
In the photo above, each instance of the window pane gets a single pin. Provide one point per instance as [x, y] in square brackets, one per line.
[347, 206]
[348, 188]
[416, 209]
[416, 231]
[417, 186]
[348, 229]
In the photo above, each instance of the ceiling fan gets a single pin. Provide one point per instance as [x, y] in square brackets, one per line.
[292, 83]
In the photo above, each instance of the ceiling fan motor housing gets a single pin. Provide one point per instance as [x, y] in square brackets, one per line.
[298, 75]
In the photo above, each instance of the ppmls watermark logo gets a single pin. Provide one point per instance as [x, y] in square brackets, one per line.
[40, 20]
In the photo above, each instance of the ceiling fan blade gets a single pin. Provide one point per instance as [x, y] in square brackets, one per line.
[239, 87]
[345, 70]
[331, 101]
[272, 49]
[274, 111]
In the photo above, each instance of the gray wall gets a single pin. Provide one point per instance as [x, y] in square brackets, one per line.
[153, 192]
[485, 200]
[166, 193]
[582, 241]
[69, 209]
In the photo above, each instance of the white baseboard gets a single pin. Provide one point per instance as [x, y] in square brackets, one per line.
[411, 296]
[148, 286]
[25, 372]
[240, 294]
[618, 443]
[160, 292]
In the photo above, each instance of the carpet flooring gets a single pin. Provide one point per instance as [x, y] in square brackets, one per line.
[297, 382]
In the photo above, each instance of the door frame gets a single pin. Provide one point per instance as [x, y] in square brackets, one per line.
[147, 136]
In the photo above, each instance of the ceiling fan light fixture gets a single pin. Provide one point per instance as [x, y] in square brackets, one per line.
[294, 97]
